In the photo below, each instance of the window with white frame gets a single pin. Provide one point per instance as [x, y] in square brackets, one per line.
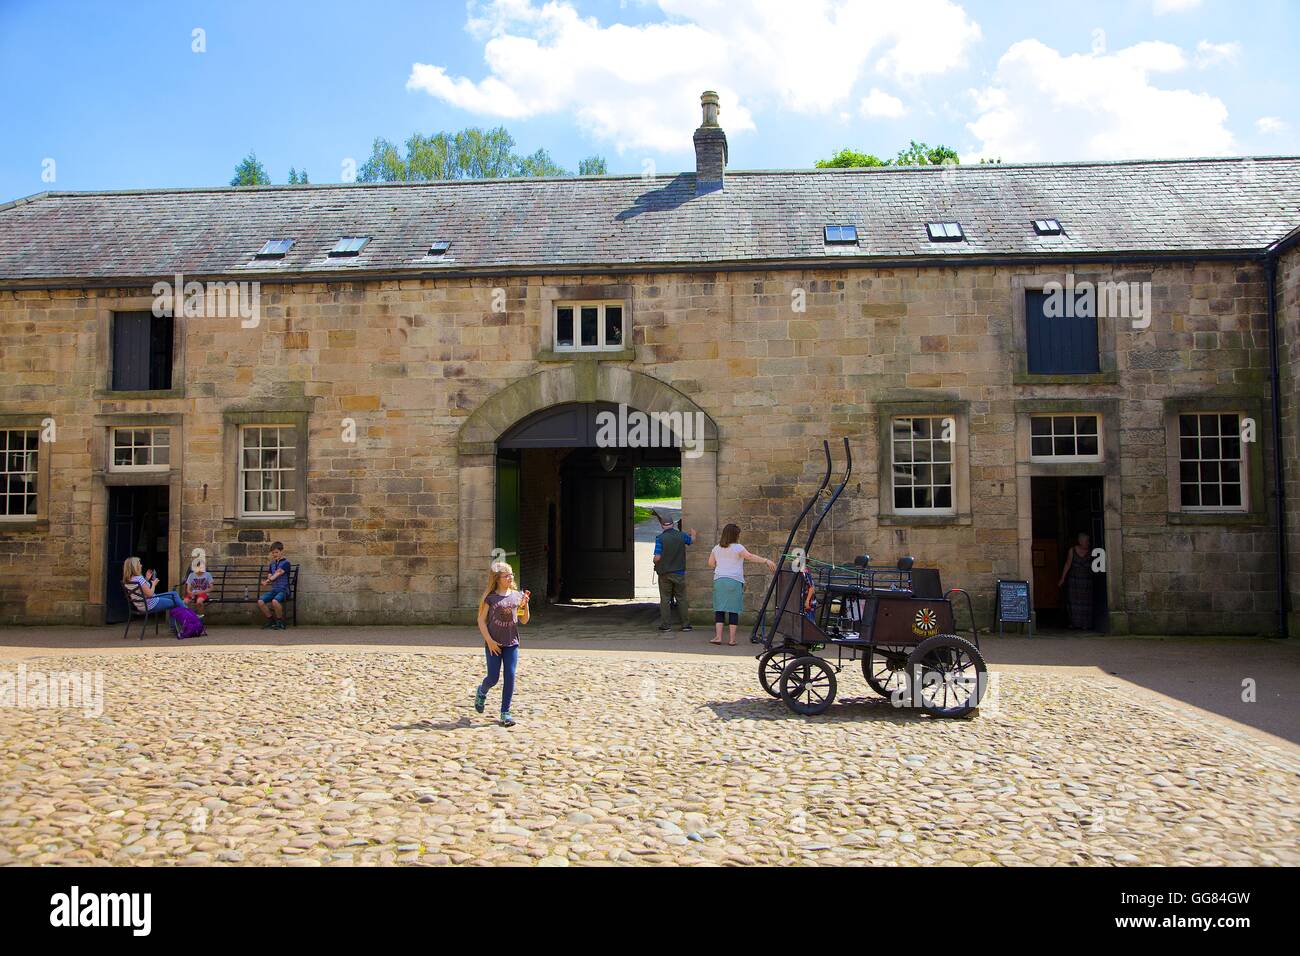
[1065, 438]
[922, 463]
[18, 450]
[1211, 462]
[141, 449]
[589, 326]
[268, 462]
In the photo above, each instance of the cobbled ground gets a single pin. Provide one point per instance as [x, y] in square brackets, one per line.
[343, 758]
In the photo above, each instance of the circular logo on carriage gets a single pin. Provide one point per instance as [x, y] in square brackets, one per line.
[926, 623]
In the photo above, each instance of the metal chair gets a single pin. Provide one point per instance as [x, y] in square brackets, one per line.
[138, 605]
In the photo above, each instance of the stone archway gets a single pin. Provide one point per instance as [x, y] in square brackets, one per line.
[580, 381]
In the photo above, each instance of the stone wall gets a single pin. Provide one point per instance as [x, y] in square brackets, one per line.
[1288, 317]
[409, 361]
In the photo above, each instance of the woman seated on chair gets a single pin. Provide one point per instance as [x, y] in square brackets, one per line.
[132, 576]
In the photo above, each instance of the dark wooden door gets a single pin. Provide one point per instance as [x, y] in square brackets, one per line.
[137, 525]
[597, 529]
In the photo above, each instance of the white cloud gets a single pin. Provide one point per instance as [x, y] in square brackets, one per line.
[1269, 125]
[638, 86]
[1043, 105]
[880, 105]
[1212, 54]
[1174, 6]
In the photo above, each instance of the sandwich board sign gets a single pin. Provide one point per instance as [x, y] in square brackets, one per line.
[1013, 605]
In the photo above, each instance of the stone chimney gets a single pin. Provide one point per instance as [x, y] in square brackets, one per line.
[710, 147]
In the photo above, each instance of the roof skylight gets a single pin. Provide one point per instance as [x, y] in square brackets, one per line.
[841, 234]
[1048, 227]
[440, 247]
[349, 245]
[275, 249]
[945, 231]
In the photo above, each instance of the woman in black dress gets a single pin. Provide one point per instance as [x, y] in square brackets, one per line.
[1078, 572]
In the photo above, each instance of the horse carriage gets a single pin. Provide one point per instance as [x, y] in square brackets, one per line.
[898, 621]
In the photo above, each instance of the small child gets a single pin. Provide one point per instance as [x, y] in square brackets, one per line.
[197, 586]
[499, 614]
[276, 583]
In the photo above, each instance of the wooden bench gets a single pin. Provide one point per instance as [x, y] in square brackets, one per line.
[242, 584]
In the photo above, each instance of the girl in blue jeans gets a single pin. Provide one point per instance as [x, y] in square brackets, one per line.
[500, 613]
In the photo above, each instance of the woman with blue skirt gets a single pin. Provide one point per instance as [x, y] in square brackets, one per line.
[728, 559]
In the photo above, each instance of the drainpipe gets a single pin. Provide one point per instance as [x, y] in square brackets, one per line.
[1279, 489]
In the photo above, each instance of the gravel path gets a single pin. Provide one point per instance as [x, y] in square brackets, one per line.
[342, 758]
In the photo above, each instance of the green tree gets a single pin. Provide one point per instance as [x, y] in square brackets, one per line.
[850, 159]
[919, 154]
[298, 178]
[593, 166]
[539, 164]
[250, 172]
[471, 153]
[916, 154]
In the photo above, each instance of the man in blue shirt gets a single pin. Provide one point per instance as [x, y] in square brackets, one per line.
[670, 563]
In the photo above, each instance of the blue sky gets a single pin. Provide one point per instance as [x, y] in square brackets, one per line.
[116, 97]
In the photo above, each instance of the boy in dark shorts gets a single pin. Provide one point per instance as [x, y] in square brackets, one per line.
[276, 582]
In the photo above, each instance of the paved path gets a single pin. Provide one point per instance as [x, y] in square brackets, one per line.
[646, 585]
[626, 751]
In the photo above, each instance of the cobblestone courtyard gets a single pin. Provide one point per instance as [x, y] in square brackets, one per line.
[344, 757]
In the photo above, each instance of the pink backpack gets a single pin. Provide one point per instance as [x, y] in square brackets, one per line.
[188, 624]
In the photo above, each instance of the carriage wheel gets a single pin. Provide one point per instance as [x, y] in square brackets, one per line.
[885, 668]
[808, 685]
[948, 676]
[770, 666]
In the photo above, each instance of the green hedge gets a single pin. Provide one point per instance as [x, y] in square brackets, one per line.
[657, 483]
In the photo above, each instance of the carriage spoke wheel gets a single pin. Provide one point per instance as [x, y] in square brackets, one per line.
[807, 685]
[770, 666]
[948, 676]
[885, 668]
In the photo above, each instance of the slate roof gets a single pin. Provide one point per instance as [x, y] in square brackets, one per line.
[603, 223]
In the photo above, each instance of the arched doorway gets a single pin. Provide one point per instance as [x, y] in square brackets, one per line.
[537, 439]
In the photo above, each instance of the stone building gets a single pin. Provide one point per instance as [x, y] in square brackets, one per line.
[395, 379]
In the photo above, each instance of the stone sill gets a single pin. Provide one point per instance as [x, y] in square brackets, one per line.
[253, 523]
[1230, 518]
[1093, 378]
[619, 355]
[107, 394]
[25, 525]
[922, 521]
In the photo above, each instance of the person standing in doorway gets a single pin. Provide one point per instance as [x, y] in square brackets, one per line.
[1078, 573]
[728, 559]
[670, 565]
